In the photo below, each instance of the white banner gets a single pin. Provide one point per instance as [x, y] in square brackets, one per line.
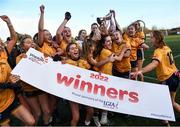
[95, 89]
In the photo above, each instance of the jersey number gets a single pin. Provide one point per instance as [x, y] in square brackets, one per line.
[170, 56]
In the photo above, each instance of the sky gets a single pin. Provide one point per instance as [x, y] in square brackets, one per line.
[24, 14]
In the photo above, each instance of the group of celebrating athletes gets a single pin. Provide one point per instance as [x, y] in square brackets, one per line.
[106, 49]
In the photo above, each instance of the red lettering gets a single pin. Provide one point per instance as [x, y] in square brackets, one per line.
[92, 75]
[96, 76]
[76, 83]
[88, 84]
[99, 77]
[122, 93]
[102, 88]
[112, 93]
[106, 79]
[133, 97]
[97, 89]
[64, 79]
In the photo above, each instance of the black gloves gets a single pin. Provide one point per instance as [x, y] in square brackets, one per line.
[67, 15]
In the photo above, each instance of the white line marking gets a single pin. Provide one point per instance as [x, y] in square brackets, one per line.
[176, 56]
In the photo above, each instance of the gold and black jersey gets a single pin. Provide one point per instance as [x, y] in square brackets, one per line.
[166, 65]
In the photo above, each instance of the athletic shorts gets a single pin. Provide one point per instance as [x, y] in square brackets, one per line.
[140, 54]
[120, 74]
[172, 82]
[133, 64]
[7, 113]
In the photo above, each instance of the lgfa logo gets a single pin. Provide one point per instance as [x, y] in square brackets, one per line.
[111, 105]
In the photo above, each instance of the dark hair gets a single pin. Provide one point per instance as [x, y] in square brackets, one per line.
[117, 30]
[137, 22]
[92, 33]
[81, 32]
[159, 37]
[131, 25]
[100, 45]
[94, 24]
[54, 38]
[45, 30]
[8, 39]
[35, 38]
[68, 46]
[25, 36]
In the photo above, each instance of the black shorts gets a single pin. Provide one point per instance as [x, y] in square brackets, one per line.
[133, 64]
[172, 82]
[6, 113]
[140, 54]
[33, 93]
[119, 74]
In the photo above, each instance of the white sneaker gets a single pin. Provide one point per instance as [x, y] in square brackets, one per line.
[50, 119]
[87, 123]
[96, 121]
[104, 118]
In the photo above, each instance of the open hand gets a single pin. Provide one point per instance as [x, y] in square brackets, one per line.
[14, 78]
[134, 75]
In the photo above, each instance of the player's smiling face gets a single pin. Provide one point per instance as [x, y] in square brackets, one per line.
[131, 31]
[108, 43]
[47, 36]
[117, 37]
[74, 52]
[67, 34]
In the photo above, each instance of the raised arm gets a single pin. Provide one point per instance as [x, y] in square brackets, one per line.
[41, 27]
[13, 34]
[116, 23]
[112, 26]
[60, 29]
